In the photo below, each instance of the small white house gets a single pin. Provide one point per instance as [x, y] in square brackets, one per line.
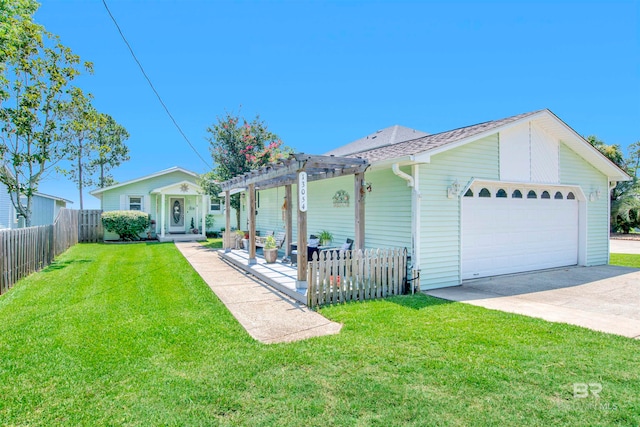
[172, 198]
[511, 195]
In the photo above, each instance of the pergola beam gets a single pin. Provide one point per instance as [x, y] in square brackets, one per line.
[285, 172]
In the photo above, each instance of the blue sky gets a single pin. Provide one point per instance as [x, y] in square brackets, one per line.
[323, 74]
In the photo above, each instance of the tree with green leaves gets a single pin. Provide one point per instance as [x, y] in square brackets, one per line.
[35, 83]
[79, 126]
[625, 201]
[109, 139]
[238, 146]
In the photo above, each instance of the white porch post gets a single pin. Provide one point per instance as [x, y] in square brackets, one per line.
[162, 216]
[303, 198]
[359, 210]
[227, 221]
[204, 210]
[252, 223]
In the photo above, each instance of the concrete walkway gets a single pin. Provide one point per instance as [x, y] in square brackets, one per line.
[268, 315]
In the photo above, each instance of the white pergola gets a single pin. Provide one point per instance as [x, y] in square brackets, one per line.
[298, 169]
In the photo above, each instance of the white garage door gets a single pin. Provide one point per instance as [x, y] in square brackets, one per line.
[517, 230]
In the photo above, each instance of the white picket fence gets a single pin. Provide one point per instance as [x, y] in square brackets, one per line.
[341, 276]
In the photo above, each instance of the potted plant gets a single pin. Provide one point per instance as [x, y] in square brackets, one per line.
[270, 250]
[325, 237]
[245, 240]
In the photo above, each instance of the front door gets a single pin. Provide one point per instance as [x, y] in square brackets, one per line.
[176, 215]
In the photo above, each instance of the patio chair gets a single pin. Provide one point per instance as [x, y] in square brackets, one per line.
[336, 252]
[312, 246]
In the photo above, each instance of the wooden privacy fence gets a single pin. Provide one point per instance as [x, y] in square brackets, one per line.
[26, 250]
[341, 276]
[90, 226]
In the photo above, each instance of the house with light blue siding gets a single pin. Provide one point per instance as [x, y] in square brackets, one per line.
[173, 199]
[517, 194]
[44, 209]
[7, 212]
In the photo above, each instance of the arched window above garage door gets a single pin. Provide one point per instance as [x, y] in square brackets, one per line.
[501, 193]
[484, 193]
[532, 195]
[517, 194]
[571, 196]
[545, 195]
[558, 196]
[469, 193]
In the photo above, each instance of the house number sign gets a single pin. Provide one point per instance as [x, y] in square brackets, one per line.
[302, 191]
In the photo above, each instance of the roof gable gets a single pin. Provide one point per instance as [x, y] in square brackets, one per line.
[182, 187]
[422, 149]
[99, 191]
[431, 142]
[56, 198]
[384, 137]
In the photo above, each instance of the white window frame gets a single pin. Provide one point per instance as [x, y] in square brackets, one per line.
[140, 204]
[215, 202]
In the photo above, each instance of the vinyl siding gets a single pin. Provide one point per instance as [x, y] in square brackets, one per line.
[42, 211]
[387, 210]
[6, 209]
[111, 198]
[577, 171]
[440, 233]
[269, 209]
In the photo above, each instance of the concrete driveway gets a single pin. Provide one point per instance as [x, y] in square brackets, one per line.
[603, 298]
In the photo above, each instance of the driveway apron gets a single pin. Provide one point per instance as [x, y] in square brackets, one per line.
[603, 298]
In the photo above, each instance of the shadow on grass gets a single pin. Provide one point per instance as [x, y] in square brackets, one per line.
[213, 245]
[417, 301]
[59, 265]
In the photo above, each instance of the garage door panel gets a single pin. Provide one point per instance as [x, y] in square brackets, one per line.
[504, 235]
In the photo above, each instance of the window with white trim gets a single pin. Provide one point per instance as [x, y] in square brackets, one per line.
[135, 203]
[215, 206]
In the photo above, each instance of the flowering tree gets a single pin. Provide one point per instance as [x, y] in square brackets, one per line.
[238, 146]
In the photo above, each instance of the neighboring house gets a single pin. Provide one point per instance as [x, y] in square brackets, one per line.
[171, 197]
[7, 211]
[44, 209]
[517, 194]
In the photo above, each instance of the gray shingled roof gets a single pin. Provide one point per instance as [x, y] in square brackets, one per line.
[429, 142]
[387, 136]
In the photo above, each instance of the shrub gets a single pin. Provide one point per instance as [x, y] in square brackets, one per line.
[209, 220]
[127, 224]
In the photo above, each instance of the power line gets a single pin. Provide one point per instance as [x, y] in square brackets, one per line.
[152, 87]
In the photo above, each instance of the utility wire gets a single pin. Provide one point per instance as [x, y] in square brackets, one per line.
[152, 87]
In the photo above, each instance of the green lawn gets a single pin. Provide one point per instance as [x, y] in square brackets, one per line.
[130, 335]
[213, 243]
[626, 260]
